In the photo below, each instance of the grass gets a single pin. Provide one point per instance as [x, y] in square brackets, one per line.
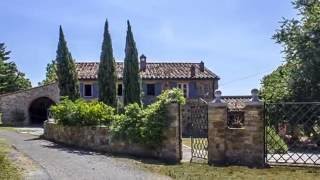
[7, 169]
[193, 171]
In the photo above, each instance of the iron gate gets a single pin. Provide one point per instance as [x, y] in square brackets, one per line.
[292, 133]
[199, 133]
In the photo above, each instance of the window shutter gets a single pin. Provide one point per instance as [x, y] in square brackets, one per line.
[158, 89]
[81, 89]
[193, 89]
[144, 88]
[95, 90]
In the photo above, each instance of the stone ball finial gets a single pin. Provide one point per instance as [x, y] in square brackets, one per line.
[217, 95]
[254, 94]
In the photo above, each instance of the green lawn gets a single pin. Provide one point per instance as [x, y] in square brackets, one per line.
[7, 169]
[192, 171]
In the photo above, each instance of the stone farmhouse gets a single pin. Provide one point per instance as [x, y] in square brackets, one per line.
[194, 79]
[30, 106]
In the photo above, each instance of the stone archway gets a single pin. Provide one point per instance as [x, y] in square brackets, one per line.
[38, 110]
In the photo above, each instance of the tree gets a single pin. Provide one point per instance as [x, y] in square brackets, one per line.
[51, 74]
[276, 86]
[131, 70]
[300, 39]
[107, 76]
[11, 79]
[66, 70]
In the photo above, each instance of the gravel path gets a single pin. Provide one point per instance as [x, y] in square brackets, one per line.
[61, 162]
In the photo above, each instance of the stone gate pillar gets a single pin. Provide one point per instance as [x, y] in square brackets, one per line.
[217, 123]
[236, 146]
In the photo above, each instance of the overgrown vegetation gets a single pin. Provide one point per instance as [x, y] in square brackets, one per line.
[275, 143]
[299, 78]
[145, 125]
[7, 169]
[137, 124]
[82, 113]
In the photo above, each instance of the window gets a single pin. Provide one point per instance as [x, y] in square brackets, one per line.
[119, 90]
[184, 88]
[151, 90]
[87, 90]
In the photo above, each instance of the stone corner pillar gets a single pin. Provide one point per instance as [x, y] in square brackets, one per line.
[254, 123]
[217, 124]
[171, 148]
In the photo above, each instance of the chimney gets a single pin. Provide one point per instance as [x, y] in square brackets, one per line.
[193, 71]
[143, 62]
[202, 66]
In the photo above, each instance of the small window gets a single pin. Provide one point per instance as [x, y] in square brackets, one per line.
[184, 88]
[88, 90]
[151, 90]
[119, 90]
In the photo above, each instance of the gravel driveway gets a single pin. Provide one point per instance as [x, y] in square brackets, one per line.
[60, 162]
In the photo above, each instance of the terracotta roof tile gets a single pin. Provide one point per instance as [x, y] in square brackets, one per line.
[236, 102]
[88, 71]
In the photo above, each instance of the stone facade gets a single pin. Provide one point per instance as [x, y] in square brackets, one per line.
[199, 88]
[14, 107]
[239, 146]
[99, 138]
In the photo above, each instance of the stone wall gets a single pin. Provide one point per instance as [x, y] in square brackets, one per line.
[14, 107]
[99, 138]
[236, 146]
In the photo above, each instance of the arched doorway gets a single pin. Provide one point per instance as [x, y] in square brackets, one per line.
[38, 110]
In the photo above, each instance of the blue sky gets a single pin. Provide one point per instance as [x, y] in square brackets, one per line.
[232, 37]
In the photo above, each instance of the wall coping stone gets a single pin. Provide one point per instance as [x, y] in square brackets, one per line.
[254, 103]
[221, 104]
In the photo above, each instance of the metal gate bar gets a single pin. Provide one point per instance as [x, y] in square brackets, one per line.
[292, 133]
[199, 134]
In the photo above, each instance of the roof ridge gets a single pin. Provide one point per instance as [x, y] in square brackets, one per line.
[88, 62]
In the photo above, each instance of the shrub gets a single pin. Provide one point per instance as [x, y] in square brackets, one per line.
[82, 113]
[145, 126]
[275, 144]
[136, 124]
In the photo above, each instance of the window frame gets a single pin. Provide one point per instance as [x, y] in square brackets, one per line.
[84, 89]
[182, 88]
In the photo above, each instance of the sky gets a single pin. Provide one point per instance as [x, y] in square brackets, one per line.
[232, 37]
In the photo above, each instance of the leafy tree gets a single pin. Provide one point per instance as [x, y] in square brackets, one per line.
[299, 78]
[300, 39]
[51, 74]
[131, 70]
[107, 77]
[66, 70]
[276, 86]
[11, 79]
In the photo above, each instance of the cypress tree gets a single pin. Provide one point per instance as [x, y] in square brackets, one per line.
[131, 70]
[66, 70]
[107, 77]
